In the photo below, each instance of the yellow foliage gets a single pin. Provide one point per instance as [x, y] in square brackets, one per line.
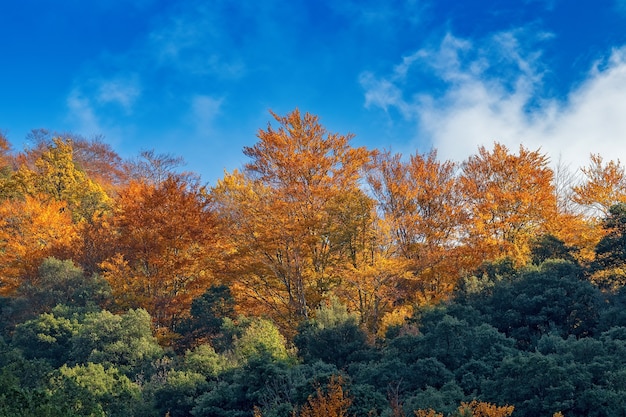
[427, 413]
[610, 279]
[396, 317]
[332, 403]
[56, 177]
[31, 230]
[483, 409]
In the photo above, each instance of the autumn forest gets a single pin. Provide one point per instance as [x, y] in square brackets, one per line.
[319, 279]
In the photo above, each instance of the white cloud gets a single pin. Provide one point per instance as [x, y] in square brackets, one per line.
[497, 97]
[121, 91]
[193, 41]
[203, 111]
[81, 113]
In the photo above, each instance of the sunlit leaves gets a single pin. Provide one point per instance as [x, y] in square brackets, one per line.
[604, 185]
[281, 212]
[31, 230]
[165, 237]
[509, 199]
[420, 204]
[56, 177]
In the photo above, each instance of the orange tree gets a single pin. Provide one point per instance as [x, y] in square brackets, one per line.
[281, 211]
[31, 230]
[421, 207]
[165, 241]
[509, 199]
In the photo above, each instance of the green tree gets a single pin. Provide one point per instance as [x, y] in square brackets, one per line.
[261, 338]
[92, 390]
[48, 336]
[62, 282]
[207, 314]
[123, 341]
[333, 336]
[609, 266]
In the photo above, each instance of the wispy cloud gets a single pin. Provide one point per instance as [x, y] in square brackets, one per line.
[81, 114]
[194, 41]
[122, 91]
[493, 91]
[204, 110]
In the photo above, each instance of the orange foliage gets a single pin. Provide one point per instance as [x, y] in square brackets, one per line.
[332, 403]
[509, 199]
[482, 409]
[427, 413]
[31, 230]
[421, 205]
[165, 239]
[604, 186]
[282, 213]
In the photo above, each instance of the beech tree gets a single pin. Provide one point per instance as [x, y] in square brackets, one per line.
[30, 231]
[509, 199]
[604, 185]
[165, 240]
[278, 210]
[421, 205]
[56, 177]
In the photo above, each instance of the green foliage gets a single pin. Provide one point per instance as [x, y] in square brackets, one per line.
[333, 336]
[47, 336]
[608, 266]
[611, 250]
[177, 395]
[550, 247]
[124, 341]
[261, 338]
[205, 361]
[552, 297]
[61, 282]
[207, 314]
[93, 390]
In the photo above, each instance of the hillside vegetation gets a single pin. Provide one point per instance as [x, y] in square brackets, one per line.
[320, 279]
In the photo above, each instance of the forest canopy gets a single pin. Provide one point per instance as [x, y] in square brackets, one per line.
[318, 276]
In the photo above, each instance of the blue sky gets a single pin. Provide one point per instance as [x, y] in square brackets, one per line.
[196, 78]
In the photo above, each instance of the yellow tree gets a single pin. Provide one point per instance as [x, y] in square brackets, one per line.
[165, 241]
[56, 177]
[335, 402]
[92, 156]
[371, 275]
[482, 409]
[281, 210]
[420, 203]
[31, 230]
[604, 185]
[509, 199]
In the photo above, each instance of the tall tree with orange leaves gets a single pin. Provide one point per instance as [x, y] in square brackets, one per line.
[509, 199]
[604, 185]
[421, 205]
[31, 230]
[165, 241]
[279, 214]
